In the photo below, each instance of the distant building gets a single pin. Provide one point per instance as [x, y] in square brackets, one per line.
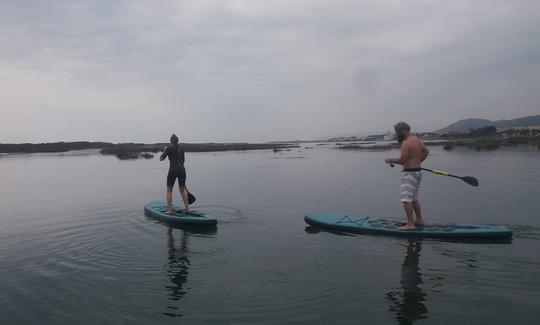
[428, 135]
[388, 136]
[375, 137]
[532, 127]
[344, 139]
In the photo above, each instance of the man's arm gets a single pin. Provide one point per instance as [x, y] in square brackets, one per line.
[164, 154]
[425, 152]
[403, 158]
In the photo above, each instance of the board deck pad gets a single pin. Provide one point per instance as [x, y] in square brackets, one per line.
[390, 227]
[157, 210]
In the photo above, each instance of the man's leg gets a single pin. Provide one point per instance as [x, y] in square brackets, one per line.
[418, 212]
[169, 199]
[184, 193]
[409, 210]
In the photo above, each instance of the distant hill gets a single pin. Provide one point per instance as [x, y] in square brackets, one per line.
[466, 125]
[475, 123]
[519, 122]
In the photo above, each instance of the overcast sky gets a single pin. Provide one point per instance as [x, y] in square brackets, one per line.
[249, 70]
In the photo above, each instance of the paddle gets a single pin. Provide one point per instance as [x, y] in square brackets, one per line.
[467, 179]
[191, 198]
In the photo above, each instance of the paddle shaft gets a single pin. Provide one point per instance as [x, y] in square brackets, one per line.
[467, 179]
[440, 172]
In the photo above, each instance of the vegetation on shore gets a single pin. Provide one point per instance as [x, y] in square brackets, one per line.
[129, 151]
[490, 138]
[134, 151]
[484, 138]
[475, 144]
[51, 146]
[188, 147]
[375, 147]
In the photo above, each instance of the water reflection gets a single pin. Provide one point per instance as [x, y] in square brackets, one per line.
[407, 302]
[178, 270]
[316, 230]
[179, 264]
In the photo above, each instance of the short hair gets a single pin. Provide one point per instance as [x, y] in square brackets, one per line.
[174, 139]
[402, 126]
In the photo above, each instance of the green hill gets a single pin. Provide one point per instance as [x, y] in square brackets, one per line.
[475, 123]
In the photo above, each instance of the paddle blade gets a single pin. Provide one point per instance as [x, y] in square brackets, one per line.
[191, 198]
[470, 180]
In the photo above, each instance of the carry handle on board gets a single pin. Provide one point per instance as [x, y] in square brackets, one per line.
[467, 179]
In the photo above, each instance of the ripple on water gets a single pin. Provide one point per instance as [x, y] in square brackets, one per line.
[528, 232]
[60, 254]
[488, 268]
[110, 261]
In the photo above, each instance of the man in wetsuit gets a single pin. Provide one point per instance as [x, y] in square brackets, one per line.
[176, 170]
[413, 153]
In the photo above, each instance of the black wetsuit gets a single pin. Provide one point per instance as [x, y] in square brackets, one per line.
[176, 167]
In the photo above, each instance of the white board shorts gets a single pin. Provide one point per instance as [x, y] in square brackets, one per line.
[410, 185]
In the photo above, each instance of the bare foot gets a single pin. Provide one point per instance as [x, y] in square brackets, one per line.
[407, 227]
[419, 222]
[168, 211]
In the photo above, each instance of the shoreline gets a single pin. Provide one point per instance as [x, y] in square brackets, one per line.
[136, 150]
[479, 144]
[147, 151]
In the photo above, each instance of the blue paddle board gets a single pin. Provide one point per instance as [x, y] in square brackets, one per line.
[389, 227]
[156, 210]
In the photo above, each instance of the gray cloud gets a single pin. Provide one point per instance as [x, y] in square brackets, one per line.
[260, 70]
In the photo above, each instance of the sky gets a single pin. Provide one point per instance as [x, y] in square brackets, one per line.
[251, 71]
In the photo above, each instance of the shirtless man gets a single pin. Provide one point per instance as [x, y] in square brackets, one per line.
[413, 153]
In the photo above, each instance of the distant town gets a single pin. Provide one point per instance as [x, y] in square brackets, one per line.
[489, 131]
[467, 128]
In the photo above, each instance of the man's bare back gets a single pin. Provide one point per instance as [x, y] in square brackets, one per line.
[413, 152]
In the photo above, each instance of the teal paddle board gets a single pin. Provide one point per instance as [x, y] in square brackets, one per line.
[156, 210]
[389, 227]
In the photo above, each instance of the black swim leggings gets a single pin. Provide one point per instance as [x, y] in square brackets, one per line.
[174, 174]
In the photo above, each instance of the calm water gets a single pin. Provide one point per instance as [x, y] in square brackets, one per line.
[75, 246]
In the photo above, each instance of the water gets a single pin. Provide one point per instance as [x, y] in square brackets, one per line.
[75, 246]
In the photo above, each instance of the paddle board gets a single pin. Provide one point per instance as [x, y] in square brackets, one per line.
[382, 226]
[157, 210]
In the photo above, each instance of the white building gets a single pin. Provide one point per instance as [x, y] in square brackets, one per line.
[388, 136]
